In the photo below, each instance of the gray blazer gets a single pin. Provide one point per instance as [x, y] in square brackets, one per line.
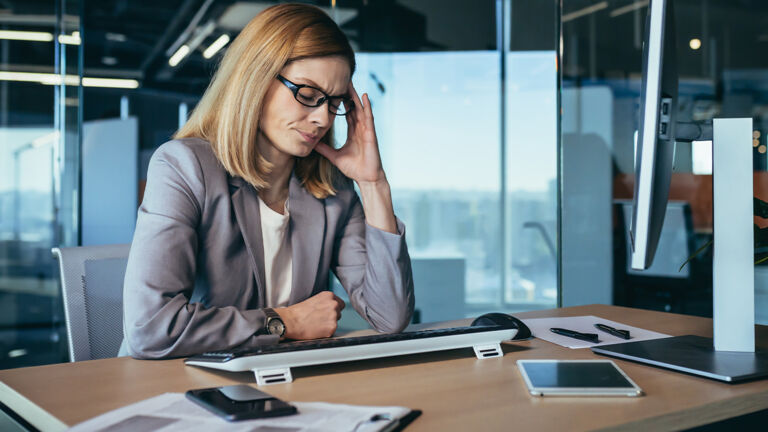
[195, 275]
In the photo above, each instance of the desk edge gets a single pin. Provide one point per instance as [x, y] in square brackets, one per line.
[29, 411]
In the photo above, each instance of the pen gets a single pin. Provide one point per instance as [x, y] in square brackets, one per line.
[391, 423]
[624, 334]
[589, 337]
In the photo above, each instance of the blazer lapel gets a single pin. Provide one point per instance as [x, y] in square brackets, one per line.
[246, 205]
[307, 233]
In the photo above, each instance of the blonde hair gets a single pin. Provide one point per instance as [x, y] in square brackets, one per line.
[228, 114]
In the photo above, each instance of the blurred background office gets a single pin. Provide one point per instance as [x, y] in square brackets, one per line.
[507, 129]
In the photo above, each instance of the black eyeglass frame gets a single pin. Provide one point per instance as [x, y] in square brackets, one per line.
[294, 88]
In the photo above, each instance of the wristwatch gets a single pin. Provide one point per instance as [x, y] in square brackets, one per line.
[275, 324]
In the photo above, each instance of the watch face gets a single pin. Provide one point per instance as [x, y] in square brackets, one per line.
[276, 327]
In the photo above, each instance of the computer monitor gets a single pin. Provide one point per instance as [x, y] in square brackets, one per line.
[656, 137]
[653, 171]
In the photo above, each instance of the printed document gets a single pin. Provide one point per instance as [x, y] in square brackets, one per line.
[173, 412]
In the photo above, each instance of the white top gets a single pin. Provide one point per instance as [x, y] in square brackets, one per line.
[278, 263]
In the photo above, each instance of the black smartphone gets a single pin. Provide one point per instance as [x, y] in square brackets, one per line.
[240, 402]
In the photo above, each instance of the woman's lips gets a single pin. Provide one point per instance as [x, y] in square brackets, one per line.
[308, 137]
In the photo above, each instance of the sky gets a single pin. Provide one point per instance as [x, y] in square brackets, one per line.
[438, 120]
[34, 163]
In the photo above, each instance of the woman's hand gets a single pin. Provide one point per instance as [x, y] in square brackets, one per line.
[314, 318]
[359, 158]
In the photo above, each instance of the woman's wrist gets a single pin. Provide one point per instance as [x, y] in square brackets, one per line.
[380, 183]
[286, 316]
[377, 204]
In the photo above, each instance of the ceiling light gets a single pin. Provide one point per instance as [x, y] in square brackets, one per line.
[216, 46]
[17, 352]
[26, 35]
[73, 39]
[54, 79]
[200, 34]
[25, 76]
[178, 55]
[110, 83]
[109, 60]
[694, 44]
[45, 139]
[115, 37]
[628, 8]
[586, 11]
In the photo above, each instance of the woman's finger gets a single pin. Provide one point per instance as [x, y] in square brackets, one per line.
[369, 107]
[359, 121]
[340, 303]
[355, 97]
[351, 122]
[326, 150]
[369, 113]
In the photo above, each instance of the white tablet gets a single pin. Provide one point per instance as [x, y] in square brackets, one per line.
[576, 378]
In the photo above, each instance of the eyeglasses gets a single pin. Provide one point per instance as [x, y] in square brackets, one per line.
[314, 97]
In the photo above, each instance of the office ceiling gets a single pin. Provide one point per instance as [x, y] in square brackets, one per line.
[136, 38]
[603, 38]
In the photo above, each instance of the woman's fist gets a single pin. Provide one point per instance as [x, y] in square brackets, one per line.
[314, 318]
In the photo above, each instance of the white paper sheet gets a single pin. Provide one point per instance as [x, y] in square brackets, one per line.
[173, 412]
[586, 324]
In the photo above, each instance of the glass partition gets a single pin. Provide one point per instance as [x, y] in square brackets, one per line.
[39, 143]
[466, 117]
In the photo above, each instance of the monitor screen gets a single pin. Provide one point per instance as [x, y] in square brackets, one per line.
[656, 138]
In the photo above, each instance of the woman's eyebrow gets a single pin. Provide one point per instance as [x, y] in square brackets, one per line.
[316, 85]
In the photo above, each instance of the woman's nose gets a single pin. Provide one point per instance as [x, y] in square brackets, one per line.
[320, 115]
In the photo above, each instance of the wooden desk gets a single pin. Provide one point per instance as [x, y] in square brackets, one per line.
[454, 389]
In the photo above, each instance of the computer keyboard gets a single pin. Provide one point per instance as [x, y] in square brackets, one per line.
[272, 364]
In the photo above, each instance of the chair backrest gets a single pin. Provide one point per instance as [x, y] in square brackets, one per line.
[92, 291]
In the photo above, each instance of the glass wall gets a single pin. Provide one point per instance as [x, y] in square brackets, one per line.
[437, 121]
[467, 126]
[39, 142]
[722, 74]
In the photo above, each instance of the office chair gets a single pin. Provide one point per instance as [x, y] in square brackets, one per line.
[92, 291]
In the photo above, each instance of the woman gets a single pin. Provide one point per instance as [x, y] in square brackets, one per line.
[250, 206]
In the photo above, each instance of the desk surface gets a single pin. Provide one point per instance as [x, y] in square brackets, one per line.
[454, 390]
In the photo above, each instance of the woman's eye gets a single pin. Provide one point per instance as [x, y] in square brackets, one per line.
[308, 95]
[305, 98]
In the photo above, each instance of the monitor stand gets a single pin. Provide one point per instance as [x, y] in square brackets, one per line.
[731, 355]
[694, 355]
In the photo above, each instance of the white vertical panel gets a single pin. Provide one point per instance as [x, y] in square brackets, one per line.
[124, 108]
[733, 267]
[110, 180]
[183, 108]
[587, 230]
